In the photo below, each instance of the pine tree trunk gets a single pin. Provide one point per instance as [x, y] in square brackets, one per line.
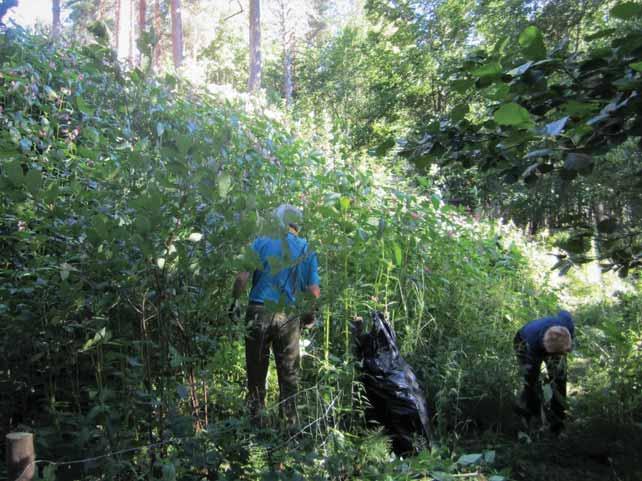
[157, 30]
[101, 11]
[117, 32]
[131, 32]
[254, 82]
[142, 22]
[55, 10]
[177, 33]
[288, 81]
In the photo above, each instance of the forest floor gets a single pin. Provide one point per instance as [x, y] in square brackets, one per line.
[588, 452]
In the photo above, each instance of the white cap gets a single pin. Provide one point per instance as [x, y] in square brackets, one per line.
[287, 215]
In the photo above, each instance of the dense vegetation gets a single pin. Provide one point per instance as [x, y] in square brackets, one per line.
[129, 199]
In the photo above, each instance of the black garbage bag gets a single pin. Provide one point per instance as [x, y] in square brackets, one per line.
[397, 402]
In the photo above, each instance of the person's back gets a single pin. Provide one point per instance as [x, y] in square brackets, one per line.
[287, 268]
[547, 340]
[534, 332]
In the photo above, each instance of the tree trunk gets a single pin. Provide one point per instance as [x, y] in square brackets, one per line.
[158, 35]
[131, 32]
[177, 33]
[288, 78]
[254, 82]
[117, 28]
[55, 10]
[142, 22]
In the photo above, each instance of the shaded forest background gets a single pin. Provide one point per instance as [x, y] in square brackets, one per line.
[453, 158]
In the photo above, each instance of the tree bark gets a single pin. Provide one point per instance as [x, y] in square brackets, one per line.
[177, 33]
[117, 28]
[131, 32]
[158, 35]
[55, 10]
[142, 23]
[254, 82]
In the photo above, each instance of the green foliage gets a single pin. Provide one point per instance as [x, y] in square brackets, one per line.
[128, 204]
[556, 115]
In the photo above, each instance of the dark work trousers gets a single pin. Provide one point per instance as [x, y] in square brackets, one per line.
[265, 329]
[531, 397]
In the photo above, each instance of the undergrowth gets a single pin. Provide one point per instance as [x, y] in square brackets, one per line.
[128, 204]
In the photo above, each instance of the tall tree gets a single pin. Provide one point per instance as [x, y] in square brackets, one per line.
[142, 23]
[131, 32]
[288, 43]
[157, 36]
[55, 10]
[254, 82]
[177, 33]
[117, 28]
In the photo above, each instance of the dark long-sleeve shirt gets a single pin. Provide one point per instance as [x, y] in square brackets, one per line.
[533, 332]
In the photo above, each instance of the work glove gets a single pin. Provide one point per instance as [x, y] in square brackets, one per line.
[234, 311]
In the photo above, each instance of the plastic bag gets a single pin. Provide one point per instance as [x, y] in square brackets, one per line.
[397, 401]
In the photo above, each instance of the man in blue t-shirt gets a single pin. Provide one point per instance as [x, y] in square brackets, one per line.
[287, 269]
[546, 340]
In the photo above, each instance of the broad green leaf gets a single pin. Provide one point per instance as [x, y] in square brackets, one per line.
[33, 180]
[627, 10]
[522, 69]
[497, 91]
[538, 153]
[83, 107]
[576, 109]
[143, 224]
[489, 457]
[398, 254]
[578, 162]
[183, 143]
[513, 115]
[101, 336]
[532, 42]
[461, 85]
[459, 112]
[224, 183]
[489, 70]
[555, 128]
[14, 173]
[637, 66]
[469, 459]
[344, 203]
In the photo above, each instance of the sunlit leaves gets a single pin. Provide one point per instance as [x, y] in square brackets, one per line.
[224, 183]
[488, 70]
[531, 41]
[512, 114]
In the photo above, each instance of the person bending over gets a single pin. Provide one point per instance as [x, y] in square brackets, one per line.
[546, 340]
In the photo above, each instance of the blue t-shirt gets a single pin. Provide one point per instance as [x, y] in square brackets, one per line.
[288, 267]
[533, 332]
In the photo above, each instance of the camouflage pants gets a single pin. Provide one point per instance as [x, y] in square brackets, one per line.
[265, 329]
